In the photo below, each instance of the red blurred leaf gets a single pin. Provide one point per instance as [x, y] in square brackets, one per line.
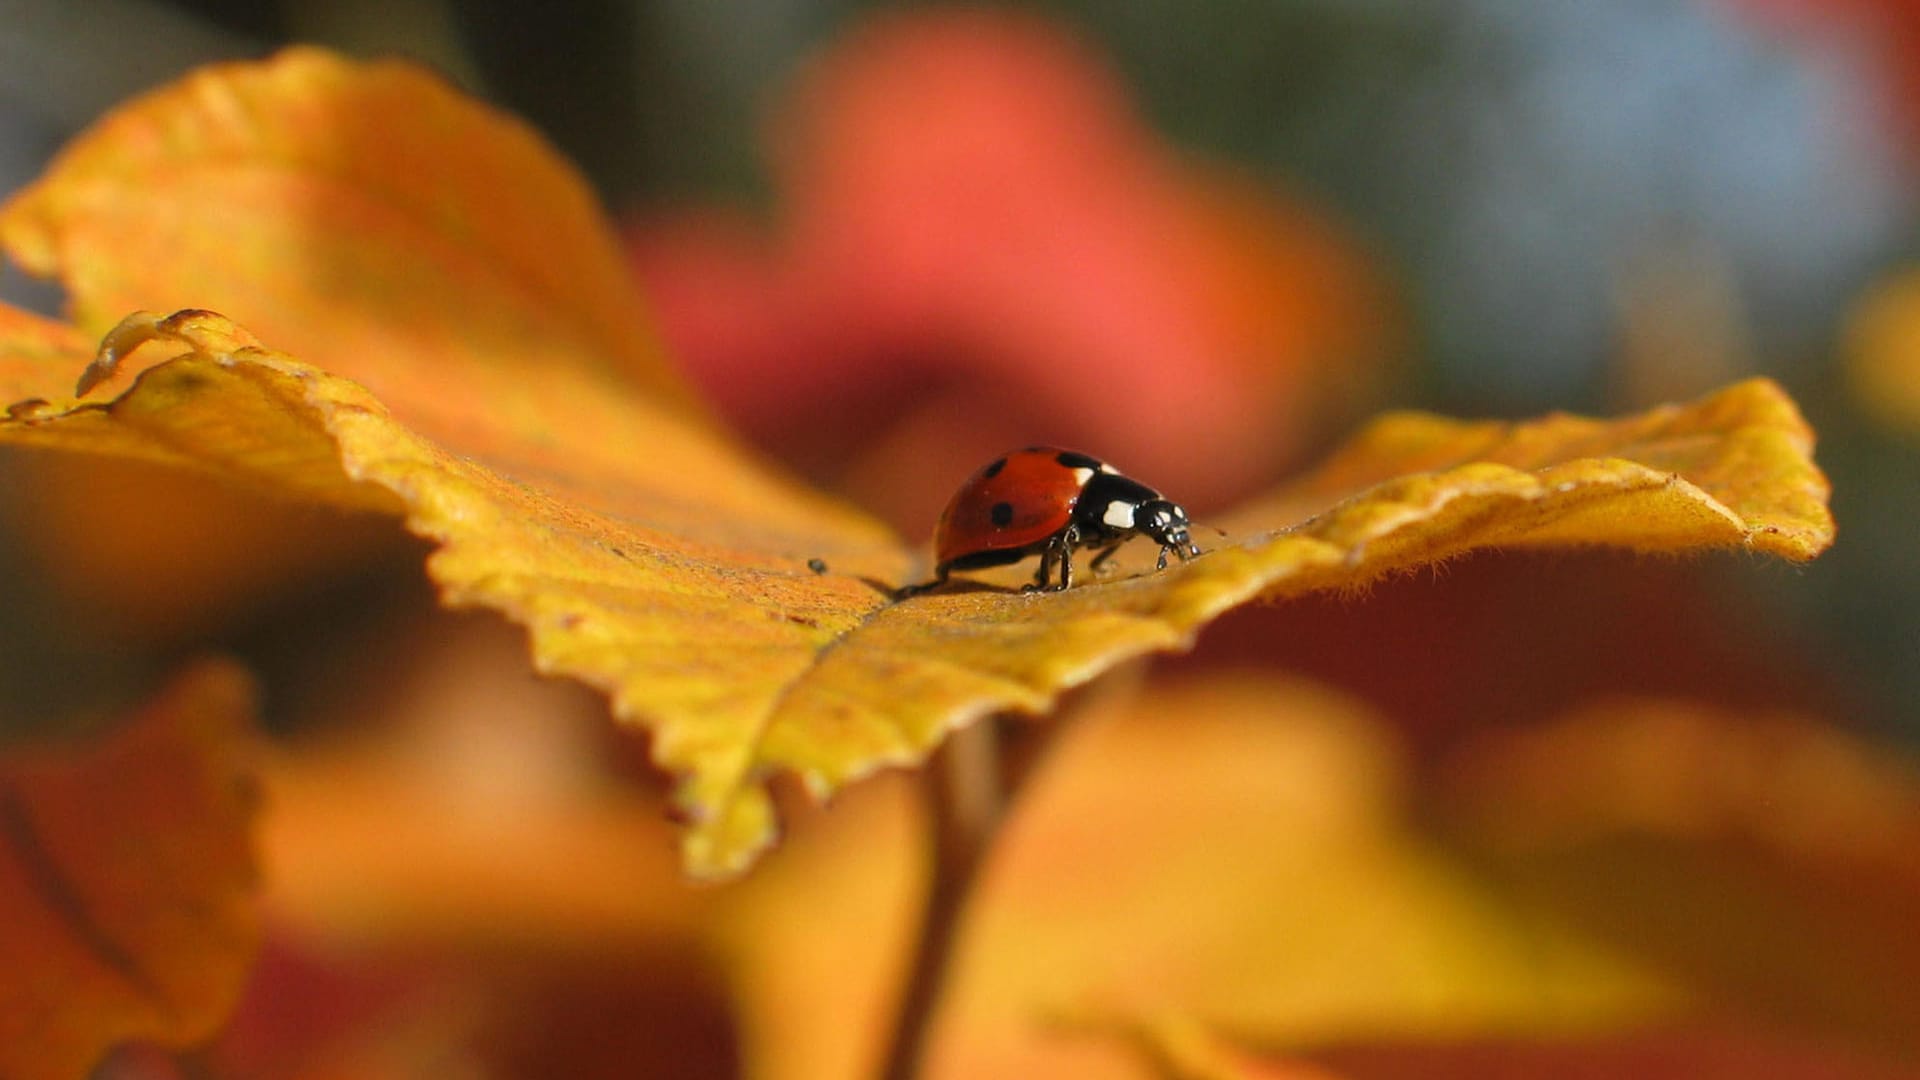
[127, 882]
[985, 246]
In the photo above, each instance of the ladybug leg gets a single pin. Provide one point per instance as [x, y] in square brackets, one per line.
[1067, 541]
[939, 578]
[1058, 550]
[1185, 552]
[1044, 575]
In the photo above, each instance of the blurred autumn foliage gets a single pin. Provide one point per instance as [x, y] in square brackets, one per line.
[1003, 254]
[1480, 788]
[1891, 31]
[127, 880]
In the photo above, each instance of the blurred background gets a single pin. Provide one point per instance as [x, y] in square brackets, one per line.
[1281, 216]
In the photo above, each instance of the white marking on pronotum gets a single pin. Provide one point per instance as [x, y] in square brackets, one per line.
[1081, 476]
[1108, 469]
[1119, 514]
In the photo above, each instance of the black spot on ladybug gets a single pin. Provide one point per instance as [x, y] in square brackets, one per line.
[993, 470]
[1002, 514]
[817, 565]
[617, 553]
[1077, 461]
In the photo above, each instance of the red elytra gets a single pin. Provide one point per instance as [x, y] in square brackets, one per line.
[1014, 502]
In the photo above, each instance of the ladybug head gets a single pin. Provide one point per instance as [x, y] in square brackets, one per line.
[1166, 523]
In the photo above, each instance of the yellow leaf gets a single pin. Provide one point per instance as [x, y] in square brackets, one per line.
[647, 554]
[1233, 855]
[1732, 469]
[1770, 862]
[691, 602]
[126, 882]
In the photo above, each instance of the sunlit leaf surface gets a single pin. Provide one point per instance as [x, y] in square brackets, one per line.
[443, 363]
[127, 882]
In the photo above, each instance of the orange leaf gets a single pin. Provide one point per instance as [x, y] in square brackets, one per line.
[126, 882]
[1234, 855]
[365, 845]
[648, 555]
[465, 881]
[1770, 862]
[155, 556]
[1667, 1053]
[367, 216]
[1183, 1050]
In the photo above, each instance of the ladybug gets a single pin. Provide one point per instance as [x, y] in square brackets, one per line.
[1050, 502]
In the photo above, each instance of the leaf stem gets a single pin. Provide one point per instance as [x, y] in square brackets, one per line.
[966, 801]
[977, 775]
